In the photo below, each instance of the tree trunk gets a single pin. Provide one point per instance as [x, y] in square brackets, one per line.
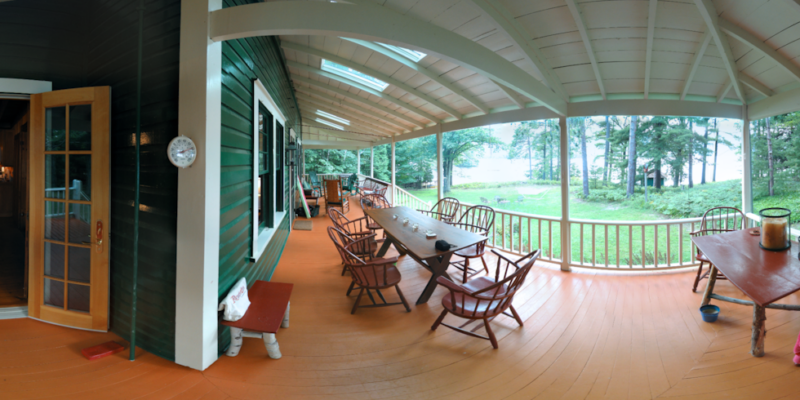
[705, 152]
[632, 157]
[544, 157]
[716, 148]
[769, 159]
[606, 172]
[530, 160]
[691, 154]
[584, 157]
[550, 162]
[448, 176]
[657, 176]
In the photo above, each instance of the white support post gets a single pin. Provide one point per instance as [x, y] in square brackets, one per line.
[358, 161]
[199, 115]
[566, 237]
[747, 186]
[394, 184]
[439, 164]
[303, 151]
[372, 161]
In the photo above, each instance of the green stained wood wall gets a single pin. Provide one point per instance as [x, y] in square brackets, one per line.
[244, 60]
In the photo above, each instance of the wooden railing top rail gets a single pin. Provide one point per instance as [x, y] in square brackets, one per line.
[517, 213]
[757, 218]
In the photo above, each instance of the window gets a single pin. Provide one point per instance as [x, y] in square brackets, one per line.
[353, 75]
[268, 203]
[412, 55]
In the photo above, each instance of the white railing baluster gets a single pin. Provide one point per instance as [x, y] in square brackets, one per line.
[669, 249]
[593, 242]
[605, 239]
[655, 240]
[630, 246]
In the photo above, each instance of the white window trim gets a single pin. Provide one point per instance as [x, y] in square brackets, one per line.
[261, 239]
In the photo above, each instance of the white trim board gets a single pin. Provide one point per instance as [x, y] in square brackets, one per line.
[23, 86]
[13, 312]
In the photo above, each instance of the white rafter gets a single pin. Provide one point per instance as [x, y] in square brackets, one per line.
[710, 16]
[698, 56]
[755, 85]
[313, 91]
[725, 90]
[353, 127]
[375, 74]
[651, 31]
[422, 70]
[510, 94]
[353, 117]
[366, 136]
[376, 22]
[506, 23]
[760, 47]
[587, 42]
[357, 98]
[363, 88]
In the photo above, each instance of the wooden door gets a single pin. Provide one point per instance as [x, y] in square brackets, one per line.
[69, 207]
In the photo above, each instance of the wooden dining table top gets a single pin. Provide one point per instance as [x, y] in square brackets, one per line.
[417, 242]
[764, 276]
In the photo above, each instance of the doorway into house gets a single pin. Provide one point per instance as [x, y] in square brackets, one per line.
[14, 127]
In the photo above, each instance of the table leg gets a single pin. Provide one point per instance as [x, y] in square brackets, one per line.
[712, 280]
[271, 344]
[236, 342]
[759, 331]
[384, 247]
[285, 323]
[438, 266]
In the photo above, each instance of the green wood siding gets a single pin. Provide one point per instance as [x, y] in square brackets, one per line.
[243, 61]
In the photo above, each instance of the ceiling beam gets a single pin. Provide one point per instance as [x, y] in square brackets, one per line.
[514, 31]
[363, 88]
[510, 94]
[353, 127]
[376, 22]
[358, 98]
[725, 90]
[587, 42]
[760, 47]
[333, 132]
[756, 85]
[337, 109]
[424, 71]
[651, 31]
[310, 103]
[698, 56]
[710, 16]
[317, 93]
[373, 73]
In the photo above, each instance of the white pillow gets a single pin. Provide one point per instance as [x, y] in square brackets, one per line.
[236, 302]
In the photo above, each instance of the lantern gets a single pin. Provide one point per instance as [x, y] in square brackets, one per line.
[775, 225]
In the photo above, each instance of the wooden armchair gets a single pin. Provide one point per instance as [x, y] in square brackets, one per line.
[477, 219]
[340, 237]
[370, 272]
[333, 196]
[486, 297]
[371, 201]
[445, 210]
[716, 220]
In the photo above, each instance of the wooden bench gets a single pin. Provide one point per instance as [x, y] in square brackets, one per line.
[269, 309]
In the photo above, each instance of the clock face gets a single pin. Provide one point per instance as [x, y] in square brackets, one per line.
[181, 151]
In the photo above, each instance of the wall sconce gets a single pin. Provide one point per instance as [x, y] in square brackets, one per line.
[290, 149]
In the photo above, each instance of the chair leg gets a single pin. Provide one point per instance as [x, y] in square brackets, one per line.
[402, 298]
[466, 270]
[516, 316]
[697, 279]
[350, 289]
[439, 320]
[344, 269]
[358, 299]
[491, 334]
[485, 267]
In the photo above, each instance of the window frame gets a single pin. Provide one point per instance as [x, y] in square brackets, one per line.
[262, 233]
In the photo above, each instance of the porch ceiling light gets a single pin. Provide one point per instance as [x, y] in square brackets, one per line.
[331, 124]
[353, 75]
[412, 55]
[333, 117]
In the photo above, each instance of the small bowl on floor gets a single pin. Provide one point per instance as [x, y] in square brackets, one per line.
[709, 313]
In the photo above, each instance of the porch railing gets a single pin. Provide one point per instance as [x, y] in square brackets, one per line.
[54, 209]
[403, 198]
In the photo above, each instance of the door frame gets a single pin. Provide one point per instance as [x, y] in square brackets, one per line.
[21, 89]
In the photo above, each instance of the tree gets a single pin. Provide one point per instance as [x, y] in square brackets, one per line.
[770, 159]
[462, 148]
[524, 144]
[580, 125]
[631, 157]
[606, 174]
[705, 153]
[716, 151]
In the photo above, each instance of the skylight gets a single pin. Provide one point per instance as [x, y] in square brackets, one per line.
[331, 124]
[412, 55]
[353, 75]
[333, 117]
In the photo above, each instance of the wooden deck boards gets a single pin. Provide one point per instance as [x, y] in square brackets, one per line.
[586, 336]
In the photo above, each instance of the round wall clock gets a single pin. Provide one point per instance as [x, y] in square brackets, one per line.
[181, 151]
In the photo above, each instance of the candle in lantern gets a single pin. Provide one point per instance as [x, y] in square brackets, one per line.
[773, 233]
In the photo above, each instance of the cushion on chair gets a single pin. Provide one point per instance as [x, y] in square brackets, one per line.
[375, 279]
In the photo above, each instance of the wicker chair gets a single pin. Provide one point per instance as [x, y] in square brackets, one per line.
[445, 210]
[477, 219]
[486, 297]
[716, 220]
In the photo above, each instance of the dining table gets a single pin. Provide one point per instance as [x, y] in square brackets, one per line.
[764, 276]
[417, 245]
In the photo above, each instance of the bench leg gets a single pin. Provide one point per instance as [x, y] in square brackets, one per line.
[285, 323]
[236, 342]
[271, 344]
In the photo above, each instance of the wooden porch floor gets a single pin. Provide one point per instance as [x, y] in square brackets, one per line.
[586, 336]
